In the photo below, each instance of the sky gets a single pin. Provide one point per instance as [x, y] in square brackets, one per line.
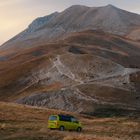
[16, 15]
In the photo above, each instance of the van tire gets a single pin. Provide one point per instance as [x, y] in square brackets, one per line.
[79, 129]
[61, 128]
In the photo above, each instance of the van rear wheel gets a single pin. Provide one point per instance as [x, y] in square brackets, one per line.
[79, 129]
[61, 128]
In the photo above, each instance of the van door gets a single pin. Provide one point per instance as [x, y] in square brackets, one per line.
[69, 124]
[65, 121]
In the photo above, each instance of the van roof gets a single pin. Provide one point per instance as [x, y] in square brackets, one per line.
[66, 115]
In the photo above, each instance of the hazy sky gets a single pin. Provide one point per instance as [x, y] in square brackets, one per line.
[16, 15]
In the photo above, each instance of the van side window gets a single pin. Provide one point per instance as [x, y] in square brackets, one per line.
[74, 120]
[52, 118]
[64, 118]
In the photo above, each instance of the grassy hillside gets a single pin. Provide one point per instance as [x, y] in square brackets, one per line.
[19, 122]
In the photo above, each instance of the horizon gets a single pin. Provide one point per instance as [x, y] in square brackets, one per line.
[19, 14]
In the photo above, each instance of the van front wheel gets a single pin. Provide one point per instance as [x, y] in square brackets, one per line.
[79, 129]
[61, 128]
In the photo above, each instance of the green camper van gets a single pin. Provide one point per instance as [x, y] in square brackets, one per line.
[64, 122]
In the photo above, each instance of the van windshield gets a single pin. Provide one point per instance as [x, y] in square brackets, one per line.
[52, 118]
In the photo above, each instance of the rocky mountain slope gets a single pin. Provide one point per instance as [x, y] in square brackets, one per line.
[85, 71]
[57, 25]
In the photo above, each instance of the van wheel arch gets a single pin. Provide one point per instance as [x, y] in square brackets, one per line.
[61, 128]
[79, 129]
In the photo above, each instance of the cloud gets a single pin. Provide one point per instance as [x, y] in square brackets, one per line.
[8, 2]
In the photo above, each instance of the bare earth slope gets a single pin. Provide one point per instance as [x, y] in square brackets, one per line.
[135, 34]
[85, 72]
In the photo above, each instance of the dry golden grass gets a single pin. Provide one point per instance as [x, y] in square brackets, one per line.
[20, 122]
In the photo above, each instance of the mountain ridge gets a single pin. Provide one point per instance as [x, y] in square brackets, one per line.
[54, 26]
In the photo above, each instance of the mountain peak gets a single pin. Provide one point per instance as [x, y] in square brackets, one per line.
[75, 7]
[78, 6]
[107, 18]
[110, 6]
